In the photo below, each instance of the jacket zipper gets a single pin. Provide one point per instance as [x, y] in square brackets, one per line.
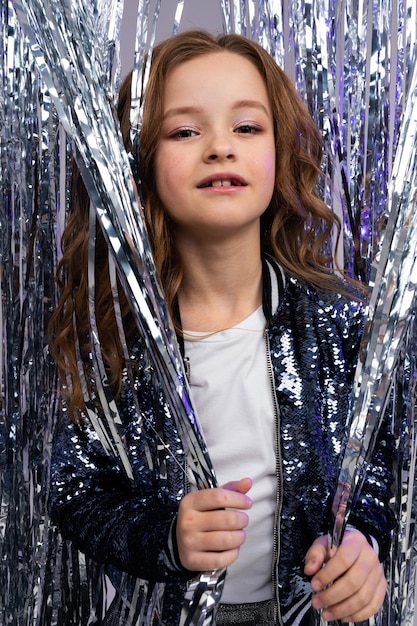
[278, 470]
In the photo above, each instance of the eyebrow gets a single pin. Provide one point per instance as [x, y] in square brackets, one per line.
[240, 104]
[180, 111]
[250, 104]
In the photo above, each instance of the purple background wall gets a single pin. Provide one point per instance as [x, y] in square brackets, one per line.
[197, 14]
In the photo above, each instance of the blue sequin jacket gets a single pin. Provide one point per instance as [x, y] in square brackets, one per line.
[130, 524]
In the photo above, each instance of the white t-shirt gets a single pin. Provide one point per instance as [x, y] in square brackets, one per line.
[232, 394]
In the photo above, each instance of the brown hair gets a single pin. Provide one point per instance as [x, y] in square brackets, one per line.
[294, 227]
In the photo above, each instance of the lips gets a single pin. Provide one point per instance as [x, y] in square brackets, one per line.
[222, 180]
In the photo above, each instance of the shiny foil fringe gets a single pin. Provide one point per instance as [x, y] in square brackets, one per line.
[390, 313]
[32, 177]
[352, 62]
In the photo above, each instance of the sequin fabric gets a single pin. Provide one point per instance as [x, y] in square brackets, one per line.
[314, 339]
[314, 342]
[119, 522]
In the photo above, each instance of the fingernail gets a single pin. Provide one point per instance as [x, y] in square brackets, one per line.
[316, 603]
[327, 615]
[316, 585]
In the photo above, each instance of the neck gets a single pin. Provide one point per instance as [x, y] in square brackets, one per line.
[222, 285]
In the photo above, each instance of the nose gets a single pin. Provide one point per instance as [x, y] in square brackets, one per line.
[219, 147]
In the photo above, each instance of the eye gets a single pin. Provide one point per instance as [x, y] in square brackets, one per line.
[247, 129]
[183, 133]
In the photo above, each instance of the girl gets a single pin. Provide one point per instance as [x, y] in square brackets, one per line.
[229, 160]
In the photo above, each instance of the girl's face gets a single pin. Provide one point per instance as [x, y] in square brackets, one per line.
[215, 162]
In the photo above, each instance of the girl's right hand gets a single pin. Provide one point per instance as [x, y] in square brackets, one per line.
[210, 526]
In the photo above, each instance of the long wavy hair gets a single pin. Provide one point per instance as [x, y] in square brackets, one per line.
[294, 227]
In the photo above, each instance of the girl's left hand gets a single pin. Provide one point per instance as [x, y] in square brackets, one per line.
[354, 573]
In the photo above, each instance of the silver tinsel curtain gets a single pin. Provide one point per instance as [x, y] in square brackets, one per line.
[353, 61]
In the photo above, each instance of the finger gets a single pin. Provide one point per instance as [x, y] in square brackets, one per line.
[217, 498]
[353, 547]
[198, 549]
[369, 609]
[354, 583]
[208, 561]
[211, 521]
[242, 486]
[220, 541]
[316, 556]
[362, 604]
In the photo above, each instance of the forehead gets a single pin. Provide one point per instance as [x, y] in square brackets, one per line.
[224, 75]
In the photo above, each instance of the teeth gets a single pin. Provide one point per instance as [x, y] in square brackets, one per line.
[221, 183]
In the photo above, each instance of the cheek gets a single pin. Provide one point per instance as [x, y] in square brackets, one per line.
[268, 170]
[168, 172]
[170, 182]
[270, 166]
[159, 164]
[163, 174]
